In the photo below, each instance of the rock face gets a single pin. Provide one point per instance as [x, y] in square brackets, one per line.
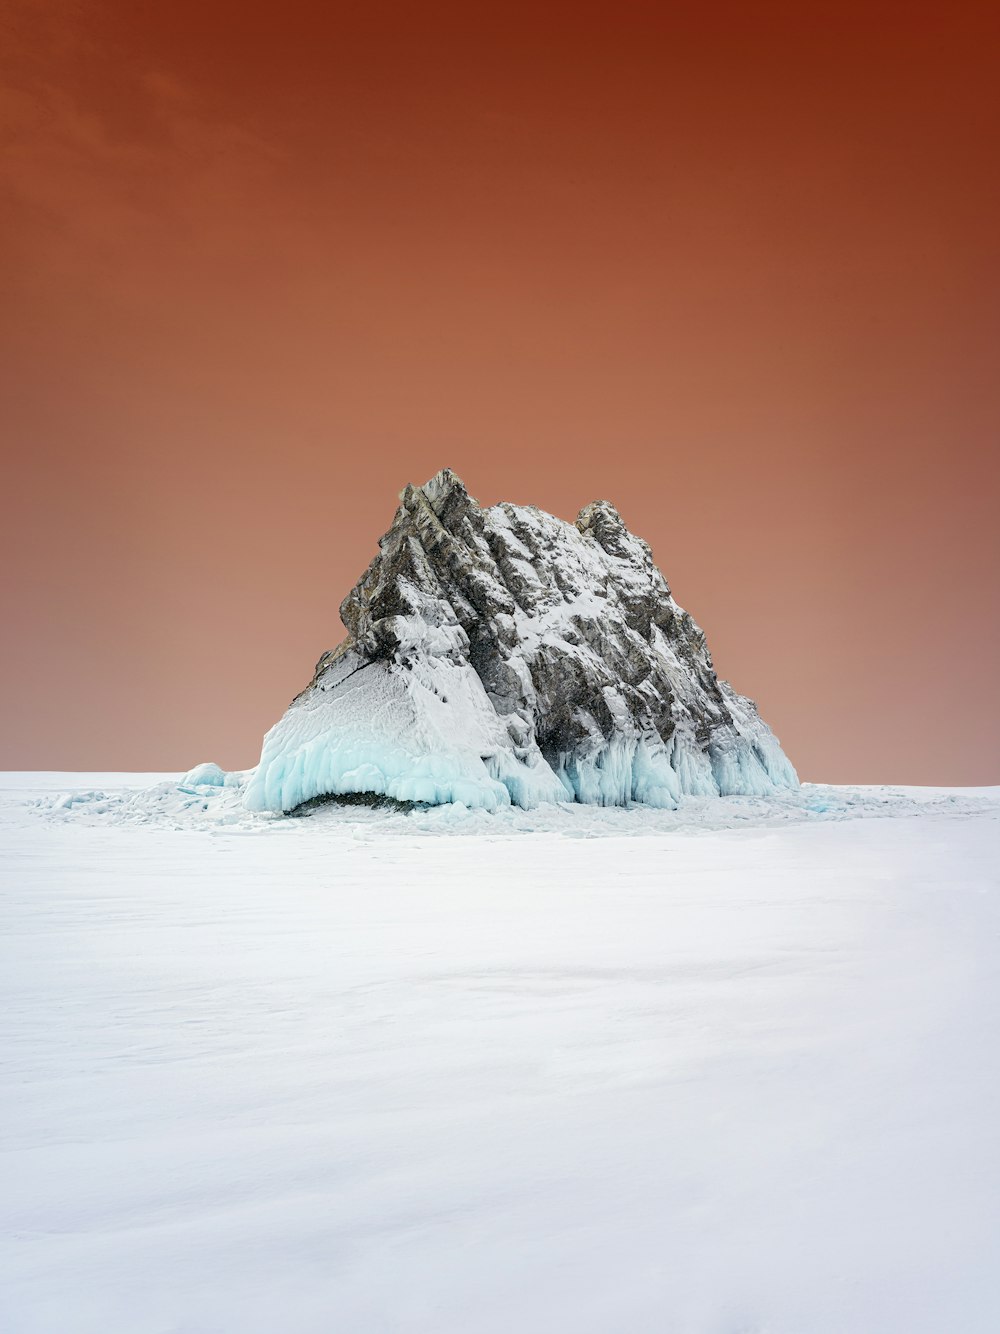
[502, 655]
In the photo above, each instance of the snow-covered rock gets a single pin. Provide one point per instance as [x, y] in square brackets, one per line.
[502, 655]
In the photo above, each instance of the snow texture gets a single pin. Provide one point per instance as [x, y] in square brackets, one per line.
[504, 656]
[172, 802]
[339, 1073]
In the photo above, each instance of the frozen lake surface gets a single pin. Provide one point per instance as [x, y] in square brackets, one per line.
[727, 1070]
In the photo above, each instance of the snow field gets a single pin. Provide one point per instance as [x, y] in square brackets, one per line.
[337, 1074]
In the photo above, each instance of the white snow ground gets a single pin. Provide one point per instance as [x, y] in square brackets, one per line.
[724, 1070]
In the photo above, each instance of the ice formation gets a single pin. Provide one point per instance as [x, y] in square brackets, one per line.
[499, 656]
[208, 774]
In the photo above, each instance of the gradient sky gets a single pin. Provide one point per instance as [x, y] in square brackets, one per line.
[734, 267]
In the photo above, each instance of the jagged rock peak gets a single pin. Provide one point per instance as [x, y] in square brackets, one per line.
[501, 654]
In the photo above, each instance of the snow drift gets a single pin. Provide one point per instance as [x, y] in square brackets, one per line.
[499, 656]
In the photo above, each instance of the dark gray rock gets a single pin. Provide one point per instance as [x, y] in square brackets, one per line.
[572, 670]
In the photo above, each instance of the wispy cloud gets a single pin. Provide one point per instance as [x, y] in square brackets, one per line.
[95, 157]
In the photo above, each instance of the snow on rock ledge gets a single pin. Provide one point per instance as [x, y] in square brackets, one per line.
[504, 656]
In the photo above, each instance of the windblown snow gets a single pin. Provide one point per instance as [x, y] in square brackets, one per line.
[499, 656]
[725, 1069]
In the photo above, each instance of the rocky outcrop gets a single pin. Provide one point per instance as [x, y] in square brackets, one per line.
[501, 654]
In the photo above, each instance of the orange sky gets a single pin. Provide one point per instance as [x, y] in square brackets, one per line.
[734, 267]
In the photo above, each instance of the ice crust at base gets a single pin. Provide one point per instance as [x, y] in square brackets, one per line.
[324, 748]
[503, 656]
[374, 727]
